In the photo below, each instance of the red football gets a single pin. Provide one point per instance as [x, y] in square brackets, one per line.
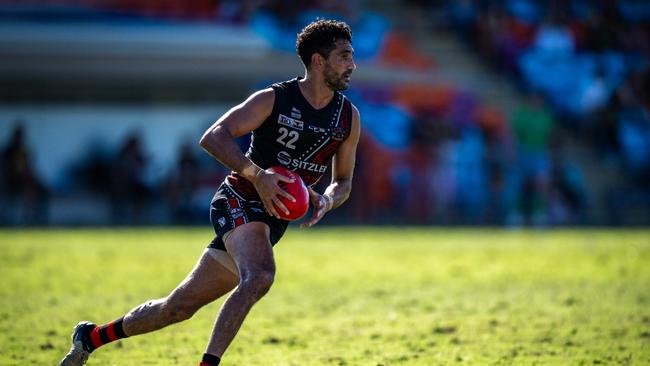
[297, 189]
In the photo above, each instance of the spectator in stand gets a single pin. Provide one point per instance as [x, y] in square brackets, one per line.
[24, 197]
[417, 166]
[471, 175]
[595, 94]
[634, 136]
[554, 39]
[182, 186]
[601, 33]
[639, 81]
[444, 178]
[374, 192]
[603, 132]
[129, 191]
[532, 125]
[567, 193]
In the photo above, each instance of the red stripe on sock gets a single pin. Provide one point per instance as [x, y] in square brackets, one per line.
[110, 331]
[94, 337]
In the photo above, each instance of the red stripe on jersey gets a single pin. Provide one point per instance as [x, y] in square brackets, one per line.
[239, 221]
[345, 117]
[327, 151]
[110, 331]
[94, 337]
[233, 202]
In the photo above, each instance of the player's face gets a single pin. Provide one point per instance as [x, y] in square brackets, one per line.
[339, 66]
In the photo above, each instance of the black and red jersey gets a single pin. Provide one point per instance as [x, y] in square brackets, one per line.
[296, 136]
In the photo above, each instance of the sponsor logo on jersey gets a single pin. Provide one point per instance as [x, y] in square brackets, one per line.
[284, 158]
[222, 221]
[290, 122]
[295, 113]
[317, 129]
[305, 165]
[338, 134]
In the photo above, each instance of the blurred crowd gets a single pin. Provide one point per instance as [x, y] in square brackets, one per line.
[429, 154]
[589, 60]
[437, 155]
[586, 66]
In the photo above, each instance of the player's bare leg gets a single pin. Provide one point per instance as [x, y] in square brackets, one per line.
[250, 247]
[208, 281]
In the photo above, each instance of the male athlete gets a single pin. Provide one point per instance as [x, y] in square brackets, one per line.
[302, 124]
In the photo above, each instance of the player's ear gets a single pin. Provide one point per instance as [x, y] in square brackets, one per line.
[317, 59]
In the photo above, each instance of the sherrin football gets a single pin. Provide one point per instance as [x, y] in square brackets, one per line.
[297, 189]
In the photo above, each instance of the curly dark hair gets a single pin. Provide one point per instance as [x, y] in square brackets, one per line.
[320, 36]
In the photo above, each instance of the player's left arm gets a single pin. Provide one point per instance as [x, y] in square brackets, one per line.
[342, 171]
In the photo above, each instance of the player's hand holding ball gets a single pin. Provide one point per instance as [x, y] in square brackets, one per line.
[283, 193]
[267, 185]
[322, 203]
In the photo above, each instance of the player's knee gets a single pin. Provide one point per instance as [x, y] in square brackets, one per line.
[178, 310]
[257, 283]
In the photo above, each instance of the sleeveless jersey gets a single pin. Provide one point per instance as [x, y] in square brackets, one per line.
[296, 136]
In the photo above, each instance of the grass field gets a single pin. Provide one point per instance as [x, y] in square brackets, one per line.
[345, 296]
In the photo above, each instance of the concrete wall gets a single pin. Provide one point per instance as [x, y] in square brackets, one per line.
[59, 135]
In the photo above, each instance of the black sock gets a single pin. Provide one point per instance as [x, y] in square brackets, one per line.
[210, 360]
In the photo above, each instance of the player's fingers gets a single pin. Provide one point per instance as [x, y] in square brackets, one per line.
[318, 215]
[280, 205]
[320, 204]
[283, 178]
[313, 221]
[320, 212]
[313, 196]
[286, 195]
[268, 204]
[309, 223]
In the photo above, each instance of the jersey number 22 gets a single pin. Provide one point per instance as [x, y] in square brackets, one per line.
[291, 135]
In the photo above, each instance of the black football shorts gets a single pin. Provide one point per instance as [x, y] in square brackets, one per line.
[228, 210]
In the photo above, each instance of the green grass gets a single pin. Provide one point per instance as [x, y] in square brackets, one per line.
[345, 296]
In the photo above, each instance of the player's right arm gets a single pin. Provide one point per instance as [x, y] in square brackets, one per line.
[219, 142]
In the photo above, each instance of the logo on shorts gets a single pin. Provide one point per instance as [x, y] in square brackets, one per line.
[290, 122]
[256, 209]
[236, 212]
[295, 113]
[222, 221]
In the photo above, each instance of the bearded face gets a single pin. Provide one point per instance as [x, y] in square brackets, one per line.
[339, 66]
[336, 80]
